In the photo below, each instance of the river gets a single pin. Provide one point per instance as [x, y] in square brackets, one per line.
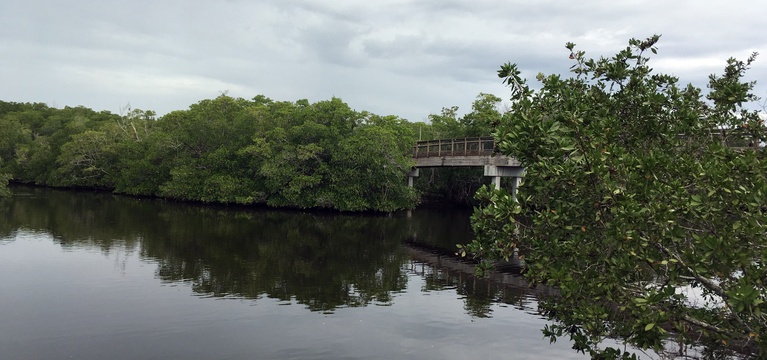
[87, 275]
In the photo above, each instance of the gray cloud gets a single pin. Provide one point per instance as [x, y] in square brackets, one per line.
[402, 57]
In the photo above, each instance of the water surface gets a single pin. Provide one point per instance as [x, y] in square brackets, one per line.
[93, 276]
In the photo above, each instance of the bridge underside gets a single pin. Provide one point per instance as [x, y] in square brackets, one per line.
[495, 166]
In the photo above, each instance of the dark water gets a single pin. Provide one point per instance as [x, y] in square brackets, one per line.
[97, 276]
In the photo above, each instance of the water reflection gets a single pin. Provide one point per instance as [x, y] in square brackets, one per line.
[324, 261]
[444, 272]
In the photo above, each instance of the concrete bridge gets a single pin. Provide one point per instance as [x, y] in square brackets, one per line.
[466, 152]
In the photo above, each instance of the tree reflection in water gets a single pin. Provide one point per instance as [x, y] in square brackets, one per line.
[323, 261]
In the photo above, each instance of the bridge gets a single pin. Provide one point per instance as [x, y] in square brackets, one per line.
[466, 152]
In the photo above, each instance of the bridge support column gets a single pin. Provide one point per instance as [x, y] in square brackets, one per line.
[497, 172]
[496, 182]
[411, 175]
[514, 185]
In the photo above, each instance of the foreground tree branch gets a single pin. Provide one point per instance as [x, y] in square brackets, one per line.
[646, 217]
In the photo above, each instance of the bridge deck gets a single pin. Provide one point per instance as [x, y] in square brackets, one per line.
[454, 161]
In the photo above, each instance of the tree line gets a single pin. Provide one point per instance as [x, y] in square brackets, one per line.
[233, 150]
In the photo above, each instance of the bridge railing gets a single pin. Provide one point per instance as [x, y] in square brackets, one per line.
[472, 146]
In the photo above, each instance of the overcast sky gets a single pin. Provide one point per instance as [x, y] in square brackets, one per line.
[402, 57]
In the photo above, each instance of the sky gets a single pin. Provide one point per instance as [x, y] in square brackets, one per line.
[408, 58]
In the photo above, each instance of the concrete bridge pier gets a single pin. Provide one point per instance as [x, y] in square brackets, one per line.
[411, 175]
[497, 172]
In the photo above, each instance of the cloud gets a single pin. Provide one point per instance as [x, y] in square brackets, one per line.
[402, 57]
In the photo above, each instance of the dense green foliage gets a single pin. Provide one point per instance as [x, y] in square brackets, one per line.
[4, 184]
[636, 205]
[227, 150]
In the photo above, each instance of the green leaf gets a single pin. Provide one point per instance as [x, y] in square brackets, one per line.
[644, 170]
